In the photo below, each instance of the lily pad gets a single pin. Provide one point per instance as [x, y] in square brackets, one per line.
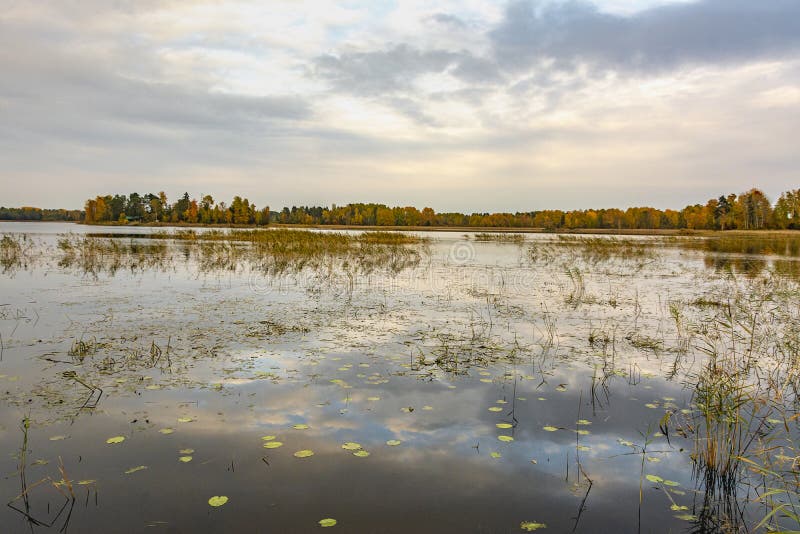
[327, 522]
[185, 459]
[217, 500]
[495, 409]
[495, 454]
[185, 419]
[273, 444]
[300, 426]
[654, 478]
[361, 454]
[115, 439]
[530, 526]
[504, 425]
[550, 428]
[505, 438]
[268, 438]
[351, 446]
[305, 453]
[166, 431]
[393, 442]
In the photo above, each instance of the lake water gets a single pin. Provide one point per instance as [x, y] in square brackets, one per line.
[495, 384]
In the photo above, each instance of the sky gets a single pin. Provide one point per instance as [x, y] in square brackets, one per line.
[468, 105]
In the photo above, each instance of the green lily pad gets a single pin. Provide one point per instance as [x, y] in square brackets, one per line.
[273, 444]
[550, 428]
[267, 438]
[305, 453]
[351, 446]
[495, 409]
[394, 442]
[185, 419]
[505, 438]
[654, 478]
[166, 431]
[504, 425]
[300, 426]
[361, 454]
[495, 454]
[185, 459]
[115, 439]
[217, 500]
[327, 522]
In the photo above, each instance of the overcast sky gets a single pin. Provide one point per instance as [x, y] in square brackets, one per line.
[469, 105]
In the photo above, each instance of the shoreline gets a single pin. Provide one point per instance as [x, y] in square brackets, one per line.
[470, 229]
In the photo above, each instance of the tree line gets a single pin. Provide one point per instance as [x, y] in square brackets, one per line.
[750, 210]
[27, 213]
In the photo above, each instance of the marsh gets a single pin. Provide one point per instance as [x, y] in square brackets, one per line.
[480, 383]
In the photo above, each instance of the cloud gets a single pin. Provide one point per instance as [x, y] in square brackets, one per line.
[571, 33]
[447, 20]
[456, 105]
[377, 72]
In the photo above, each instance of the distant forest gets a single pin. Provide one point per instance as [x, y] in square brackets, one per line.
[750, 210]
[37, 214]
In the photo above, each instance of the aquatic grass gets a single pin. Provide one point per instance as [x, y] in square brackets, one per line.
[17, 251]
[498, 237]
[269, 252]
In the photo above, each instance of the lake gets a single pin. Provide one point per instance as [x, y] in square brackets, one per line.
[433, 382]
